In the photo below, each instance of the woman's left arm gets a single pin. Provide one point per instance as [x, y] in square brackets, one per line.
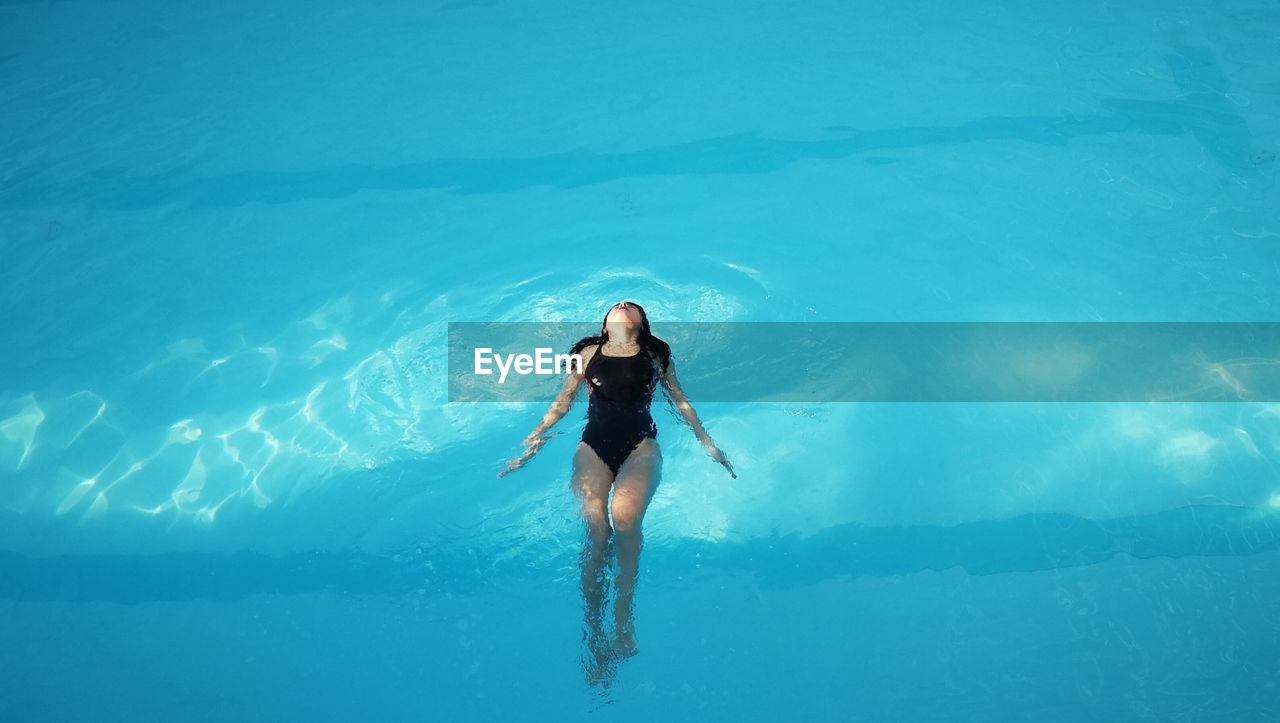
[685, 407]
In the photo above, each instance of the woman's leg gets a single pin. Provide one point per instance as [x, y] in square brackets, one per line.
[633, 490]
[591, 481]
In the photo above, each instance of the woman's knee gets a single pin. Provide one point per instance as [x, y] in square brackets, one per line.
[597, 522]
[628, 512]
[594, 511]
[592, 491]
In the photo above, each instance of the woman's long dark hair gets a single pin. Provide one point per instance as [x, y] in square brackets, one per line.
[658, 350]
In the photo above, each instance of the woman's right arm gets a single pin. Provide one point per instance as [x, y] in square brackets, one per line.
[563, 401]
[559, 407]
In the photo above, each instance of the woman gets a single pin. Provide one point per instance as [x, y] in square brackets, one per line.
[619, 448]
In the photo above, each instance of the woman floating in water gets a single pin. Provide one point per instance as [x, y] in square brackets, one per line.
[619, 447]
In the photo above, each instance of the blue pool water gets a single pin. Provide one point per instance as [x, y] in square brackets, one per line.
[232, 236]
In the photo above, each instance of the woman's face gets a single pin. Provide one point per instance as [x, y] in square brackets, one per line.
[623, 312]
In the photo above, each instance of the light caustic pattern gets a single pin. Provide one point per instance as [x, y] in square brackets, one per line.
[261, 423]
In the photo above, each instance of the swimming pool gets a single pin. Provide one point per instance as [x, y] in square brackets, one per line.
[232, 488]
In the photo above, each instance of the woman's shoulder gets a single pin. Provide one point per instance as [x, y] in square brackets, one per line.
[587, 353]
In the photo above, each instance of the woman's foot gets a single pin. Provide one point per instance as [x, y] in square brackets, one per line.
[597, 657]
[624, 646]
[600, 673]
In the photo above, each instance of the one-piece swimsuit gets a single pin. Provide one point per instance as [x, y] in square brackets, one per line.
[620, 390]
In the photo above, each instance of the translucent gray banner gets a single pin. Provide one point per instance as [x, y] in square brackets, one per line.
[899, 361]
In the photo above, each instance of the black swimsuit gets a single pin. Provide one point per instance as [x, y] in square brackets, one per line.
[620, 390]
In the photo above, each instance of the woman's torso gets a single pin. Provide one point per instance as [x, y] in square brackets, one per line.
[620, 388]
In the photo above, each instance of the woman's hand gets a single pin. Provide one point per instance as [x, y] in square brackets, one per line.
[532, 444]
[718, 455]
